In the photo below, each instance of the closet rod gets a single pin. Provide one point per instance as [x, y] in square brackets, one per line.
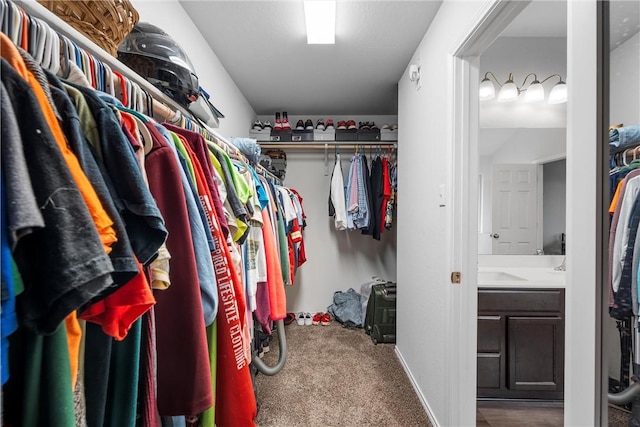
[167, 111]
[323, 146]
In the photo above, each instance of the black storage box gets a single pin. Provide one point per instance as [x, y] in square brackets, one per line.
[280, 136]
[369, 135]
[346, 134]
[301, 135]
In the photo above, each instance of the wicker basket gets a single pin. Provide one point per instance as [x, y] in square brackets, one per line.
[105, 22]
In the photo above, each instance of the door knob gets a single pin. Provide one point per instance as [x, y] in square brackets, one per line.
[495, 235]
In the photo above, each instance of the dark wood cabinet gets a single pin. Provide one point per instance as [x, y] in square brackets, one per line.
[521, 343]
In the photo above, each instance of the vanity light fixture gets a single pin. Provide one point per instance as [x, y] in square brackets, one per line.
[534, 92]
[320, 20]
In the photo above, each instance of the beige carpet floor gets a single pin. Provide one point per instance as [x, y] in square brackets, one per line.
[337, 377]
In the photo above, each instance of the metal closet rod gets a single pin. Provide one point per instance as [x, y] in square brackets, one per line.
[323, 146]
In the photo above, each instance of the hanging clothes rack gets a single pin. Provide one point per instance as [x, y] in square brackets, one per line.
[158, 105]
[162, 107]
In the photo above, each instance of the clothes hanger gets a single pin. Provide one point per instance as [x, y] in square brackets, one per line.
[3, 14]
[38, 53]
[109, 86]
[145, 134]
[123, 87]
[16, 22]
[24, 30]
[55, 59]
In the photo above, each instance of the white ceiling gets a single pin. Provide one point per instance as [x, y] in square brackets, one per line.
[262, 45]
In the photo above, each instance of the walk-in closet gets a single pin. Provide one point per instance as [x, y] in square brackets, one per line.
[310, 212]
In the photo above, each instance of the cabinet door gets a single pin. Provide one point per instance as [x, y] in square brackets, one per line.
[536, 355]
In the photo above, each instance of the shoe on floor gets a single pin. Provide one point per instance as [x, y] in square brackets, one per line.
[325, 319]
[316, 318]
[300, 319]
[308, 320]
[291, 317]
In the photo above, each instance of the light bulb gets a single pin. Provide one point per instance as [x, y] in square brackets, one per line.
[508, 92]
[487, 90]
[534, 93]
[558, 94]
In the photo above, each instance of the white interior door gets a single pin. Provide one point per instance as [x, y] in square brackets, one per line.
[515, 209]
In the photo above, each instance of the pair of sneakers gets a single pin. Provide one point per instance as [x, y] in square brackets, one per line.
[304, 319]
[321, 319]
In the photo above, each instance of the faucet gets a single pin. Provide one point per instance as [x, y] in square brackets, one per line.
[562, 267]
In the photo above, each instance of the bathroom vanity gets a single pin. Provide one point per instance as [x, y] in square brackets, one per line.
[521, 330]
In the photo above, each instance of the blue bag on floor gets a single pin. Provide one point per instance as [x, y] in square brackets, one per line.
[347, 308]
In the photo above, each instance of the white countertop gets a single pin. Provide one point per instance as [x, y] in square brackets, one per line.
[520, 277]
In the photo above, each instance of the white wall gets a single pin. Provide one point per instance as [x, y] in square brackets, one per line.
[225, 95]
[583, 396]
[424, 246]
[336, 260]
[521, 56]
[625, 83]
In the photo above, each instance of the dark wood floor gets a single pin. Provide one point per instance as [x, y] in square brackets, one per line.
[501, 413]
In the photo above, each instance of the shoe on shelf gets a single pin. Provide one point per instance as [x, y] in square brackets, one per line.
[267, 125]
[363, 125]
[394, 127]
[300, 318]
[300, 125]
[351, 124]
[285, 121]
[325, 319]
[373, 126]
[386, 126]
[342, 125]
[278, 125]
[329, 125]
[320, 124]
[308, 320]
[316, 318]
[308, 124]
[257, 125]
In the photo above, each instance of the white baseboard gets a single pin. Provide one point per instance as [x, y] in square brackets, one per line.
[421, 397]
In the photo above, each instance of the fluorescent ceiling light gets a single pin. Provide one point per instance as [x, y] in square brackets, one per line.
[320, 19]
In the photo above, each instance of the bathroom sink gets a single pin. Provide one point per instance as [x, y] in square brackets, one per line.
[493, 276]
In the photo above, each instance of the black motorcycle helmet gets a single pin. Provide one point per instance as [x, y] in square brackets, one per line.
[154, 55]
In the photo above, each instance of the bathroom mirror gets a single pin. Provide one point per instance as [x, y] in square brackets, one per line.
[522, 191]
[521, 151]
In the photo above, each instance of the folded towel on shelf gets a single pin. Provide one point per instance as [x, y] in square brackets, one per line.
[247, 146]
[623, 137]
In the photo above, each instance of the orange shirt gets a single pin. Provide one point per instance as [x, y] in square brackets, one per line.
[616, 196]
[102, 221]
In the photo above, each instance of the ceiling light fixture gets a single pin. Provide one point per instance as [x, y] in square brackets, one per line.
[320, 20]
[510, 92]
